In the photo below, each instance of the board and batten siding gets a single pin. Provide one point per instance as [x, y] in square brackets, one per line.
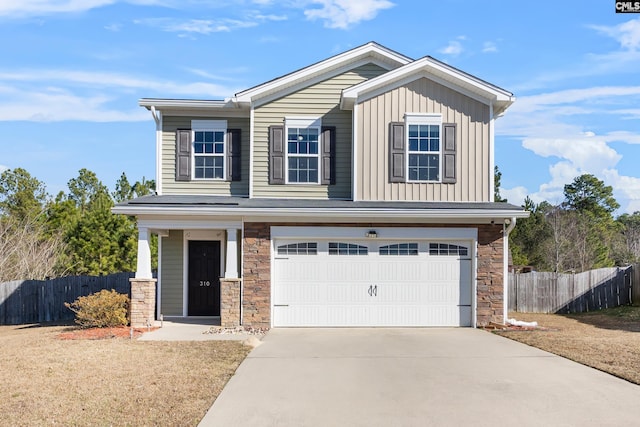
[473, 172]
[318, 100]
[207, 187]
[172, 274]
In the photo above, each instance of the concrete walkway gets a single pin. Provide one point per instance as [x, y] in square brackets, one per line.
[416, 377]
[189, 329]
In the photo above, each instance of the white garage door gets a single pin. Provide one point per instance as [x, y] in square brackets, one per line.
[371, 283]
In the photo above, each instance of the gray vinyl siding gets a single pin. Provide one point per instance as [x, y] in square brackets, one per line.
[213, 187]
[318, 100]
[172, 274]
[423, 96]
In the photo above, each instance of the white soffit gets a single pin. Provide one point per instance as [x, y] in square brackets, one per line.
[436, 71]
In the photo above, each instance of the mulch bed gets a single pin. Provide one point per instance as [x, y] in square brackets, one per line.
[102, 333]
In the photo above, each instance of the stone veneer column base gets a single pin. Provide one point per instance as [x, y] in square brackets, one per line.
[142, 307]
[230, 302]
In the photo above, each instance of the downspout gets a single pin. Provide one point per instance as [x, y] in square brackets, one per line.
[157, 117]
[510, 225]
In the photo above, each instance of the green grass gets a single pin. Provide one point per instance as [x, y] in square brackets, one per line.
[626, 312]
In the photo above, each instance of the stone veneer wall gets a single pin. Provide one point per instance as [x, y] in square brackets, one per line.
[142, 306]
[230, 302]
[257, 269]
[256, 275]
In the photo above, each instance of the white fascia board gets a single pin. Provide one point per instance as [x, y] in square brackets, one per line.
[194, 107]
[161, 103]
[427, 67]
[373, 214]
[370, 52]
[359, 233]
[188, 224]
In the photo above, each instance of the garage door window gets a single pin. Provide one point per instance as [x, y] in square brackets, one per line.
[447, 249]
[306, 248]
[399, 249]
[347, 249]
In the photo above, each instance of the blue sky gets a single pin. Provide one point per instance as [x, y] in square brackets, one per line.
[72, 71]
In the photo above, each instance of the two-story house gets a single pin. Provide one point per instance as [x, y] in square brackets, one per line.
[357, 191]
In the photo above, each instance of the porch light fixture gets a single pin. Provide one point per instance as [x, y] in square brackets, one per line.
[372, 234]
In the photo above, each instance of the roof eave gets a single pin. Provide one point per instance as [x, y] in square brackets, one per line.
[369, 49]
[489, 93]
[351, 213]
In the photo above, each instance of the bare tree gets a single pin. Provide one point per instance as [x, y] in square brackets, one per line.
[25, 252]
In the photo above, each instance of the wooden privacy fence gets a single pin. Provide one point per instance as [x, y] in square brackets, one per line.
[36, 301]
[542, 292]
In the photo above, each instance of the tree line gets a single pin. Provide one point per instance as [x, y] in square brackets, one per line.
[578, 234]
[73, 233]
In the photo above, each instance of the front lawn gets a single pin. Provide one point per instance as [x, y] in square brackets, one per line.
[608, 340]
[117, 381]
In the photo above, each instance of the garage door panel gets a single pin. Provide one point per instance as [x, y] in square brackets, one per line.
[372, 290]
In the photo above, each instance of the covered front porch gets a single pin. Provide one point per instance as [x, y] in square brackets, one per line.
[198, 270]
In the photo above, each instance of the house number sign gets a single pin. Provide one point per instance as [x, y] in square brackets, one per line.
[205, 283]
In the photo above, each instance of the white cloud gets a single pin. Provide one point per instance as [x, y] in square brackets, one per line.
[115, 80]
[24, 8]
[556, 125]
[113, 27]
[58, 95]
[627, 33]
[58, 105]
[3, 168]
[489, 47]
[586, 154]
[345, 13]
[454, 48]
[208, 26]
[626, 189]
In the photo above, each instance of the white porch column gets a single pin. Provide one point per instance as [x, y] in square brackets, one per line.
[231, 270]
[143, 268]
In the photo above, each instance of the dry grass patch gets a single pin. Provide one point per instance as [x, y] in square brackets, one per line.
[607, 340]
[117, 381]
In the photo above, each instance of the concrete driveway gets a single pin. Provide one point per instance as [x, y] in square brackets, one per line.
[416, 377]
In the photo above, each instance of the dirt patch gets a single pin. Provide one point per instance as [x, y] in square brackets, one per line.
[118, 381]
[607, 340]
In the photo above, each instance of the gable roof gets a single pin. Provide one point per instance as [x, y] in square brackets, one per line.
[437, 71]
[371, 52]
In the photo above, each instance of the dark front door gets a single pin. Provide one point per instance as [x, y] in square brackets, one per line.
[204, 278]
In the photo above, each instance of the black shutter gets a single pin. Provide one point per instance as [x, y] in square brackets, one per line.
[183, 155]
[449, 153]
[233, 155]
[328, 155]
[397, 152]
[276, 155]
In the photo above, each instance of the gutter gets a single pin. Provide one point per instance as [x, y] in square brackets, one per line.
[505, 261]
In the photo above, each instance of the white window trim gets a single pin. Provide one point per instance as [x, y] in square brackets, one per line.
[209, 126]
[302, 122]
[422, 119]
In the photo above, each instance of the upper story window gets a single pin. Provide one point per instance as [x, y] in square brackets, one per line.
[208, 151]
[423, 147]
[303, 150]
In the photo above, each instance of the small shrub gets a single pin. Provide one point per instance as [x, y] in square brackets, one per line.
[100, 310]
